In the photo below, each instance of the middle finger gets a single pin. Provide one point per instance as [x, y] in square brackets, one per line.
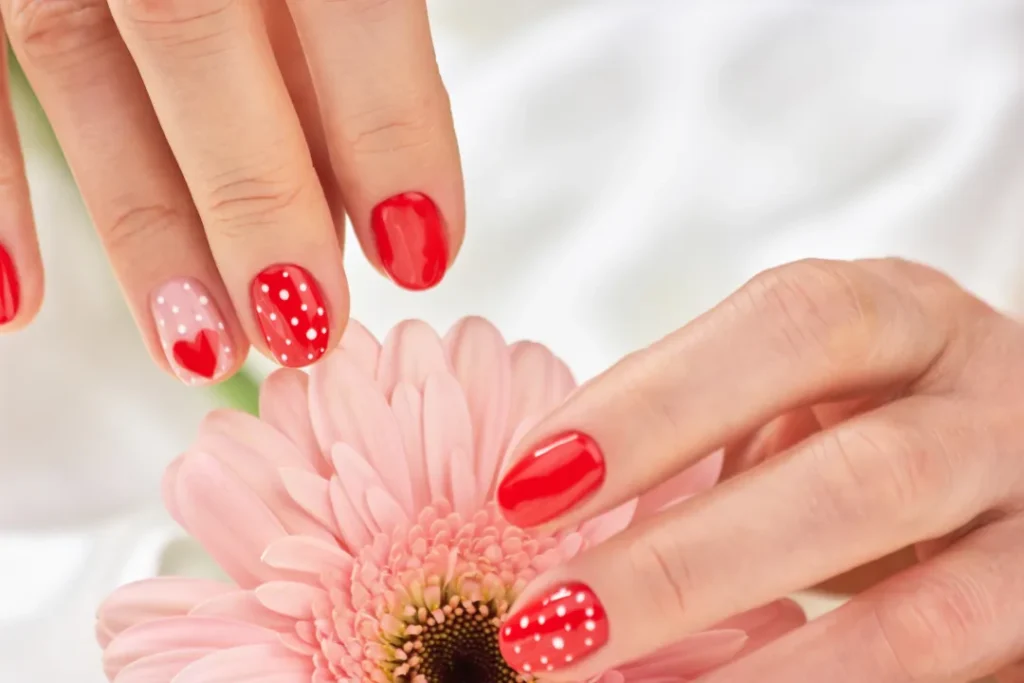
[211, 73]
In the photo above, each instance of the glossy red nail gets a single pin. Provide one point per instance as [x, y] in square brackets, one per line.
[555, 631]
[548, 482]
[411, 240]
[10, 289]
[292, 314]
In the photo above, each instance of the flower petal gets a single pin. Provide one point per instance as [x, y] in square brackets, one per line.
[412, 352]
[265, 663]
[284, 405]
[160, 667]
[361, 346]
[407, 407]
[156, 598]
[349, 520]
[291, 598]
[309, 492]
[691, 481]
[356, 477]
[385, 510]
[465, 487]
[446, 428]
[307, 555]
[169, 489]
[179, 633]
[766, 624]
[690, 657]
[348, 407]
[245, 607]
[227, 518]
[604, 526]
[482, 363]
[540, 382]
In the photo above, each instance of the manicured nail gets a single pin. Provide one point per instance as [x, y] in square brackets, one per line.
[192, 331]
[292, 314]
[555, 477]
[555, 631]
[10, 290]
[411, 240]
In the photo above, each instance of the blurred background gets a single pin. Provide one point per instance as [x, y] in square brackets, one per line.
[627, 164]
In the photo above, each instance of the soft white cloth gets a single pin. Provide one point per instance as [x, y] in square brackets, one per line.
[627, 165]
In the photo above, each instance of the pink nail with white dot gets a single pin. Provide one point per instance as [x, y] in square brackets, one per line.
[554, 631]
[192, 331]
[292, 314]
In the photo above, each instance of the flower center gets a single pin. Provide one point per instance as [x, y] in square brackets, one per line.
[459, 647]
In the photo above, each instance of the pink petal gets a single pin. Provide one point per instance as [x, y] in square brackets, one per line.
[353, 529]
[160, 667]
[411, 353]
[266, 663]
[483, 365]
[179, 633]
[540, 382]
[465, 488]
[284, 405]
[156, 598]
[604, 526]
[356, 477]
[348, 407]
[309, 492]
[256, 436]
[407, 407]
[245, 607]
[227, 518]
[446, 428]
[767, 624]
[361, 346]
[169, 488]
[696, 479]
[385, 510]
[690, 658]
[518, 434]
[103, 634]
[290, 598]
[307, 555]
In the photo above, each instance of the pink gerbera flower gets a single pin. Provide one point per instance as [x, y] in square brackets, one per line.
[355, 520]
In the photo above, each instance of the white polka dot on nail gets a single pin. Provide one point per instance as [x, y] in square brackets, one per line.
[285, 274]
[284, 295]
[508, 630]
[580, 597]
[526, 668]
[204, 300]
[284, 356]
[310, 356]
[517, 649]
[295, 321]
[187, 286]
[588, 642]
[303, 287]
[541, 620]
[182, 329]
[536, 637]
[161, 322]
[311, 334]
[220, 326]
[160, 300]
[589, 611]
[568, 658]
[568, 627]
[264, 288]
[543, 660]
[560, 611]
[199, 318]
[305, 307]
[273, 316]
[287, 342]
[590, 626]
[557, 642]
[524, 622]
[320, 311]
[175, 309]
[324, 330]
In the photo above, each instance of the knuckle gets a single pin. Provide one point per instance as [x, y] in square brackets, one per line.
[929, 634]
[57, 33]
[391, 128]
[177, 24]
[244, 202]
[134, 225]
[818, 307]
[170, 12]
[667, 574]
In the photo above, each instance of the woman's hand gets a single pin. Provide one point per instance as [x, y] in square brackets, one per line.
[864, 407]
[219, 144]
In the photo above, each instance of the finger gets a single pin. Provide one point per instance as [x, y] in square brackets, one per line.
[860, 491]
[86, 81]
[956, 618]
[390, 131]
[792, 337]
[211, 73]
[21, 268]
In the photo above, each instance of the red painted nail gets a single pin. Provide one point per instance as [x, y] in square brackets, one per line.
[292, 314]
[10, 290]
[411, 240]
[555, 631]
[555, 477]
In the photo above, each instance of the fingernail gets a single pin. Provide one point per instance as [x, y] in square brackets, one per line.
[410, 240]
[292, 314]
[192, 331]
[555, 631]
[10, 290]
[551, 480]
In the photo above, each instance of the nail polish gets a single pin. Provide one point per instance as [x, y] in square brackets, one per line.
[10, 289]
[552, 479]
[292, 314]
[192, 331]
[555, 631]
[411, 240]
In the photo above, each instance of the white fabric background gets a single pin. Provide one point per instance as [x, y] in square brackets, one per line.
[627, 165]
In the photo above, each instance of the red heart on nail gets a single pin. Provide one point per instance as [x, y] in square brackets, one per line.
[198, 355]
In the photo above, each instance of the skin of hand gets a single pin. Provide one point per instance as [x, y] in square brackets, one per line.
[219, 146]
[863, 407]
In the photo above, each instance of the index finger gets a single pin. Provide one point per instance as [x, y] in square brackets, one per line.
[793, 336]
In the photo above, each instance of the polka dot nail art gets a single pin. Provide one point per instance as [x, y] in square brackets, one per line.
[192, 331]
[292, 314]
[555, 631]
